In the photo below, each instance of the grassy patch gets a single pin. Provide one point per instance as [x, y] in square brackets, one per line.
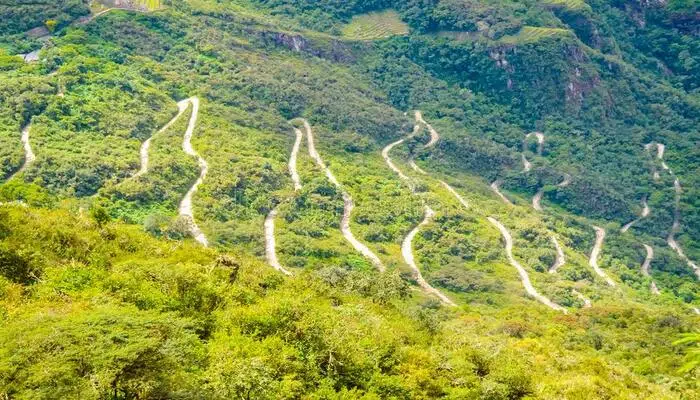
[375, 25]
[532, 34]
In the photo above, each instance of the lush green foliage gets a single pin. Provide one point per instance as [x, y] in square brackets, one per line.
[104, 295]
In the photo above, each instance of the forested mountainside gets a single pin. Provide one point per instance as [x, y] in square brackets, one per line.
[379, 199]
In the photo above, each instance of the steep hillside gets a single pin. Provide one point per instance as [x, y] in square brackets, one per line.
[361, 199]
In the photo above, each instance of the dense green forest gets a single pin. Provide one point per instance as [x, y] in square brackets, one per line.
[328, 199]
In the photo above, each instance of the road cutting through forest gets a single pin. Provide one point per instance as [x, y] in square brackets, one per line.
[593, 260]
[269, 226]
[185, 209]
[524, 277]
[146, 145]
[348, 204]
[29, 156]
[671, 239]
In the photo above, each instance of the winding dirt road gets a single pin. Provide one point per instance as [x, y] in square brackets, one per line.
[293, 160]
[527, 165]
[593, 261]
[407, 244]
[524, 277]
[645, 213]
[434, 136]
[145, 146]
[671, 239]
[269, 226]
[186, 203]
[646, 266]
[495, 187]
[407, 251]
[454, 193]
[385, 154]
[560, 259]
[29, 156]
[347, 201]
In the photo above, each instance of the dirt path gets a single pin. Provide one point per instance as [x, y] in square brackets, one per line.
[293, 160]
[407, 251]
[434, 136]
[524, 277]
[348, 204]
[269, 226]
[586, 302]
[495, 187]
[646, 266]
[385, 154]
[593, 261]
[671, 239]
[455, 194]
[145, 146]
[560, 259]
[29, 156]
[537, 200]
[416, 167]
[186, 203]
[527, 165]
[645, 213]
[270, 252]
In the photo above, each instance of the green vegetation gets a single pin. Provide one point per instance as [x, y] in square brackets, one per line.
[376, 25]
[104, 294]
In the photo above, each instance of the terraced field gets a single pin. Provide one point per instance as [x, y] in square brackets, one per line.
[533, 34]
[375, 26]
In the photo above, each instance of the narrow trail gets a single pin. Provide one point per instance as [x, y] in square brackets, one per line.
[348, 204]
[645, 213]
[527, 165]
[496, 189]
[537, 200]
[671, 239]
[646, 266]
[586, 301]
[269, 226]
[29, 156]
[434, 136]
[524, 277]
[186, 203]
[593, 261]
[146, 145]
[560, 259]
[407, 251]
